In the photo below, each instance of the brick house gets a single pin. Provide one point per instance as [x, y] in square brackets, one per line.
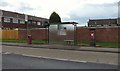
[13, 20]
[103, 22]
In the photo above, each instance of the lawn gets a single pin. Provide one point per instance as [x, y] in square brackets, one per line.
[103, 44]
[24, 41]
[85, 43]
[108, 44]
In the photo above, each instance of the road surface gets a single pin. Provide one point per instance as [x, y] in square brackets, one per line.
[14, 61]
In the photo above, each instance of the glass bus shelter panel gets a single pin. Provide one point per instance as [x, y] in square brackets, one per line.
[53, 37]
[69, 32]
[58, 34]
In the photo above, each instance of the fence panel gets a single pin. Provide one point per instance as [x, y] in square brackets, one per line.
[0, 34]
[9, 34]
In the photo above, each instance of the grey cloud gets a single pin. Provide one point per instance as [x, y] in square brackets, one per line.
[119, 9]
[3, 4]
[75, 18]
[94, 11]
[105, 4]
[25, 7]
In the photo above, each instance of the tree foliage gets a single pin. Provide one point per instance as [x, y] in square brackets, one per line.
[54, 18]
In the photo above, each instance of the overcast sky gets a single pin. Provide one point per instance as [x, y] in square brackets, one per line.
[69, 10]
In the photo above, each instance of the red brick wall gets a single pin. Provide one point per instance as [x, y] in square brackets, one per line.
[102, 34]
[40, 34]
[82, 34]
[107, 34]
[22, 34]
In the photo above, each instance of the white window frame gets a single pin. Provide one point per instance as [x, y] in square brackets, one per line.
[38, 23]
[22, 21]
[15, 20]
[29, 21]
[34, 22]
[7, 20]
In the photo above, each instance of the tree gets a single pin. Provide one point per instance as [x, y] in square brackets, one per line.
[54, 18]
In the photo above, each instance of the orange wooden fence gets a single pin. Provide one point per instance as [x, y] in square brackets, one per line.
[9, 34]
[0, 34]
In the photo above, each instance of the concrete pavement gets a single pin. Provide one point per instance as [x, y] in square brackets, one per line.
[66, 47]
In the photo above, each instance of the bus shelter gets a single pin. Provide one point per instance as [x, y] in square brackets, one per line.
[63, 33]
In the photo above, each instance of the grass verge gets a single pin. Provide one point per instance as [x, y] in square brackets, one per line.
[24, 41]
[84, 43]
[102, 44]
[108, 44]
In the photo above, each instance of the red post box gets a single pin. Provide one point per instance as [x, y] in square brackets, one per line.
[92, 37]
[29, 39]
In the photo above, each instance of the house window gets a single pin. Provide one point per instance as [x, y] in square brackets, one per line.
[102, 25]
[38, 23]
[22, 21]
[6, 19]
[98, 25]
[15, 20]
[95, 23]
[29, 22]
[45, 22]
[105, 25]
[34, 22]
